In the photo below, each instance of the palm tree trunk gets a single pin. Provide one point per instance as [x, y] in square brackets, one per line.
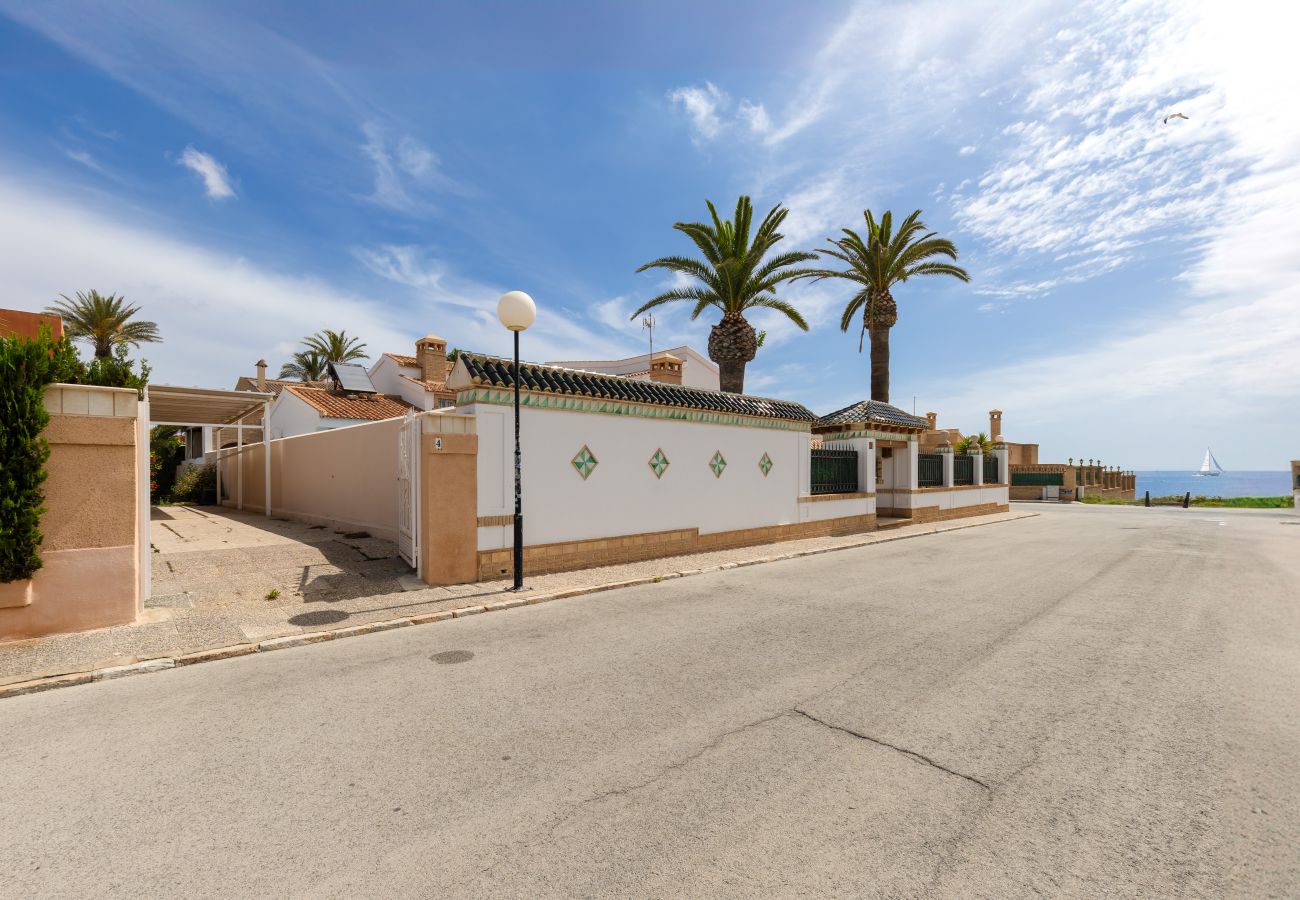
[731, 375]
[880, 364]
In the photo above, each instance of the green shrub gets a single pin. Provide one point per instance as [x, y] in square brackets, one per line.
[27, 365]
[195, 484]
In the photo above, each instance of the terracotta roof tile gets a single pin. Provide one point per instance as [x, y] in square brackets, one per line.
[333, 405]
[435, 386]
[273, 385]
[403, 360]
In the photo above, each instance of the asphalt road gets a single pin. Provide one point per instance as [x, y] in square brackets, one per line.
[1094, 702]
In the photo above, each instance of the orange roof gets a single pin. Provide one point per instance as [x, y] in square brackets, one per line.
[333, 405]
[403, 360]
[273, 385]
[437, 387]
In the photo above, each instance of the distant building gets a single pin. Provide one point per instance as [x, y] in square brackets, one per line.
[28, 324]
[420, 380]
[697, 370]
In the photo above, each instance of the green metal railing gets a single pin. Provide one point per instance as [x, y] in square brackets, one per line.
[834, 471]
[990, 469]
[929, 470]
[963, 469]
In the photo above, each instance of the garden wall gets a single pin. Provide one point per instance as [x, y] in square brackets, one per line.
[89, 576]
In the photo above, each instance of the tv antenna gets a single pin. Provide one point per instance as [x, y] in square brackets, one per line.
[648, 324]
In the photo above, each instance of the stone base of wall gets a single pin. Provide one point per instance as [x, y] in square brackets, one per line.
[924, 514]
[540, 559]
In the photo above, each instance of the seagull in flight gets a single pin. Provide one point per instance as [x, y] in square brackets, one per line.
[1174, 116]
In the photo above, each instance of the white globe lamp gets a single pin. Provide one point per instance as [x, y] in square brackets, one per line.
[516, 310]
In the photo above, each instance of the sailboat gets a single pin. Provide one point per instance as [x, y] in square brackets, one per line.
[1210, 465]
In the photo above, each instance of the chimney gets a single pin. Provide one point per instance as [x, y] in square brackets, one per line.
[666, 369]
[995, 424]
[933, 419]
[261, 375]
[431, 357]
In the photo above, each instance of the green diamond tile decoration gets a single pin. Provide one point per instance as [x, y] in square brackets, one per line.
[765, 464]
[585, 462]
[658, 463]
[717, 464]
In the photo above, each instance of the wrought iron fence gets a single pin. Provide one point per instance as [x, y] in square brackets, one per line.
[929, 470]
[834, 471]
[990, 469]
[963, 469]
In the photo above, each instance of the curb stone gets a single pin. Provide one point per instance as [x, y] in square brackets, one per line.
[51, 682]
[295, 640]
[140, 668]
[219, 653]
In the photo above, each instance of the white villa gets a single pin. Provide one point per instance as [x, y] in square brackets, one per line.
[697, 370]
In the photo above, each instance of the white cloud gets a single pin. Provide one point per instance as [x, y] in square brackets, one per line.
[415, 159]
[967, 150]
[755, 116]
[216, 181]
[1090, 179]
[936, 56]
[465, 309]
[217, 312]
[702, 105]
[84, 158]
[402, 169]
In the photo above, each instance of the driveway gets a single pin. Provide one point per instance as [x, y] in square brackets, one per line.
[1093, 702]
[209, 556]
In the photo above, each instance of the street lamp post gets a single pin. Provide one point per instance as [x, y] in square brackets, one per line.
[516, 310]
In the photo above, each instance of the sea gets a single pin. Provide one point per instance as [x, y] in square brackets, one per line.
[1229, 484]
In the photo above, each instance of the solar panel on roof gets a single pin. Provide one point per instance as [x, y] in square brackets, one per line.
[352, 379]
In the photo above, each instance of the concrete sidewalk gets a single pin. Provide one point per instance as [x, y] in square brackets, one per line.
[226, 612]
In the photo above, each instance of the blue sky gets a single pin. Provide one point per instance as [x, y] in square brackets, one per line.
[251, 173]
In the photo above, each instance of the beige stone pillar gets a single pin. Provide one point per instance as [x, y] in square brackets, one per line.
[448, 507]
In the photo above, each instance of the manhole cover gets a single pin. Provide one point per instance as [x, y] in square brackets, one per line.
[319, 617]
[447, 657]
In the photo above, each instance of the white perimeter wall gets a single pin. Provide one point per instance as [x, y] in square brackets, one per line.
[622, 496]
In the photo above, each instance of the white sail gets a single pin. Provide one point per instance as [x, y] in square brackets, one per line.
[1209, 465]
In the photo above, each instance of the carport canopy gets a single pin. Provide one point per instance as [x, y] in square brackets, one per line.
[192, 407]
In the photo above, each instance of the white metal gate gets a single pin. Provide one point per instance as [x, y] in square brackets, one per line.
[408, 490]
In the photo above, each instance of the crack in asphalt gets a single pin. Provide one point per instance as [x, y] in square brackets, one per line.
[686, 760]
[903, 750]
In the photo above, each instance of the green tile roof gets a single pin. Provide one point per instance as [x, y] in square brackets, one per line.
[873, 411]
[491, 371]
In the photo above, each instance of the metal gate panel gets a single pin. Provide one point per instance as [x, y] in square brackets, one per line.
[408, 490]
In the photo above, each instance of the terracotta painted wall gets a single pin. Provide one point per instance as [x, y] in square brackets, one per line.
[89, 577]
[28, 324]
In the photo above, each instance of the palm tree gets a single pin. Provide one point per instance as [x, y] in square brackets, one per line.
[733, 277]
[307, 365]
[103, 322]
[982, 439]
[878, 260]
[335, 346]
